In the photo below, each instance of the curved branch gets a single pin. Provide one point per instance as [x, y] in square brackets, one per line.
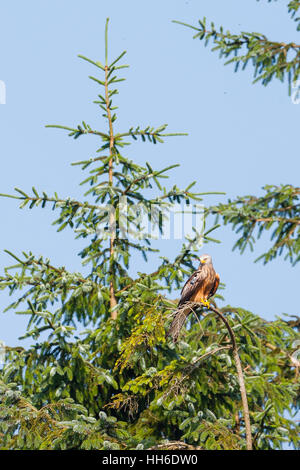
[181, 314]
[240, 376]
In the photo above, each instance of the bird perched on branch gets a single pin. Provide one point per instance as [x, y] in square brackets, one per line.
[200, 286]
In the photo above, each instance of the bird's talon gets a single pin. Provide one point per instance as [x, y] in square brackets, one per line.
[205, 303]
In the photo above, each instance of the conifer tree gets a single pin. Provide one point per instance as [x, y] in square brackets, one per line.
[121, 383]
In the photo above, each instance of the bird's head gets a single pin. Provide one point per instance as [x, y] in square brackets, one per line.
[205, 259]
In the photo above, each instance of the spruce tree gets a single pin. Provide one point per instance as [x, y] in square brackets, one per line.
[121, 383]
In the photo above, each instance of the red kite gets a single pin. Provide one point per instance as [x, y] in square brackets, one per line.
[202, 285]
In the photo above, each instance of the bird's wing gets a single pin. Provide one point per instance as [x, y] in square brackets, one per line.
[216, 285]
[192, 285]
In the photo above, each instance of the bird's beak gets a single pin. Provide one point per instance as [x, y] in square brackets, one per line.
[202, 261]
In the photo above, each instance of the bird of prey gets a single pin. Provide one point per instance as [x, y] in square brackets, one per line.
[200, 286]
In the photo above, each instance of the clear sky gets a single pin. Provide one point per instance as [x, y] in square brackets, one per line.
[241, 136]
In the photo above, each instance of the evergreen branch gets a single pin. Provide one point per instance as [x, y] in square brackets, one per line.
[146, 176]
[187, 371]
[153, 135]
[97, 64]
[162, 269]
[106, 40]
[279, 209]
[45, 276]
[70, 209]
[237, 363]
[86, 163]
[175, 445]
[293, 7]
[270, 59]
[80, 130]
[113, 300]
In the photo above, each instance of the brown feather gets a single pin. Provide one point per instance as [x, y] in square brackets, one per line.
[177, 323]
[201, 285]
[216, 285]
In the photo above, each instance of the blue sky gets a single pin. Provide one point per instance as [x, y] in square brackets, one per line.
[241, 136]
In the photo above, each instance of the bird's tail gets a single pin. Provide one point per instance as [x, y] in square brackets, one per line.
[177, 323]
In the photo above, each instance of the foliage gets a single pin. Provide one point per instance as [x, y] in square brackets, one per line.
[270, 59]
[277, 210]
[116, 381]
